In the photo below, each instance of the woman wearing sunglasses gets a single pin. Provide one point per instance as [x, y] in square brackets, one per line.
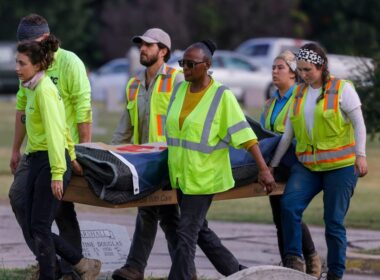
[204, 119]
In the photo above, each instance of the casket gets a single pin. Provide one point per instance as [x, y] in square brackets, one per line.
[124, 176]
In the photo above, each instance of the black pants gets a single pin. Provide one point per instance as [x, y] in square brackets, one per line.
[192, 229]
[146, 229]
[41, 209]
[308, 247]
[66, 218]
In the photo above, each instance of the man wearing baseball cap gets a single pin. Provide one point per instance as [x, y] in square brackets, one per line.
[143, 122]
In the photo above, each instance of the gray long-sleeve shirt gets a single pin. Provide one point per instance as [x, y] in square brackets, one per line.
[124, 131]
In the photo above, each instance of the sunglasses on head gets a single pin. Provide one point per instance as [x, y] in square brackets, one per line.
[189, 63]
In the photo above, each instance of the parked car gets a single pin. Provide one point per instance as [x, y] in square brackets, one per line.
[111, 78]
[250, 83]
[8, 79]
[354, 68]
[263, 50]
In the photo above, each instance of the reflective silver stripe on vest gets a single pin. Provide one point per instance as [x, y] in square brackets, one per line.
[133, 89]
[172, 97]
[200, 147]
[329, 94]
[203, 145]
[328, 155]
[235, 128]
[211, 114]
[165, 86]
[172, 141]
[165, 82]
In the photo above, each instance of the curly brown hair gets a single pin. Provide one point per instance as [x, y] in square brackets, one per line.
[40, 52]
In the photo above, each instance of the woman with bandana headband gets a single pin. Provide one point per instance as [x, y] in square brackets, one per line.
[326, 119]
[273, 117]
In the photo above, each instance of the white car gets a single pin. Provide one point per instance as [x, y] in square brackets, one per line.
[8, 79]
[263, 50]
[354, 68]
[251, 84]
[111, 78]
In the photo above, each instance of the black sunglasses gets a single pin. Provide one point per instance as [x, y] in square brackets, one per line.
[189, 63]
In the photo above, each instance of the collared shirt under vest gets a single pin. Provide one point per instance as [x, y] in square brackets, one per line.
[332, 143]
[275, 111]
[198, 156]
[148, 107]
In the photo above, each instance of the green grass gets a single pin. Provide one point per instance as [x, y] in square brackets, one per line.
[363, 212]
[13, 274]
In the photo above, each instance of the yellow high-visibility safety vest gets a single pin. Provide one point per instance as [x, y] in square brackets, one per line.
[332, 143]
[198, 152]
[280, 121]
[159, 102]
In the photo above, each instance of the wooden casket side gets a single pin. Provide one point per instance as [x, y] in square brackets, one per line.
[78, 191]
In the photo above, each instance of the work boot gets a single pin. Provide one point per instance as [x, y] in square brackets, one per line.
[294, 262]
[332, 276]
[313, 265]
[127, 272]
[88, 269]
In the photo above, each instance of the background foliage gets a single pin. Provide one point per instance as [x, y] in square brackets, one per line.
[99, 30]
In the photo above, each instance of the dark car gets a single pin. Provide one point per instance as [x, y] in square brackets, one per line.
[8, 79]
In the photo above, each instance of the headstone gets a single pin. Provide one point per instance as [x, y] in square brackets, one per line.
[113, 103]
[107, 242]
[269, 272]
[96, 129]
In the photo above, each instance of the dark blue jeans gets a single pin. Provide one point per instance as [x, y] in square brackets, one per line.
[308, 247]
[303, 185]
[192, 229]
[66, 218]
[146, 229]
[41, 209]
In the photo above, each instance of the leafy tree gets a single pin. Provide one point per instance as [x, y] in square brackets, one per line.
[369, 93]
[74, 22]
[351, 27]
[345, 26]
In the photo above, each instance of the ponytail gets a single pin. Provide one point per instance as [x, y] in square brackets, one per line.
[40, 52]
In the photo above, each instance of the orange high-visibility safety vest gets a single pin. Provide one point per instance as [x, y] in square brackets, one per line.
[159, 102]
[332, 143]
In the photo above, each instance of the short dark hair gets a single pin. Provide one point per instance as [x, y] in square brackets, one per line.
[34, 19]
[208, 48]
[162, 46]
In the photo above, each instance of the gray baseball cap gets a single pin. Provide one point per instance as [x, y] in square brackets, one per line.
[154, 35]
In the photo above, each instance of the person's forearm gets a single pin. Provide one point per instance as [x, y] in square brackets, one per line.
[84, 130]
[282, 147]
[357, 120]
[20, 131]
[258, 157]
